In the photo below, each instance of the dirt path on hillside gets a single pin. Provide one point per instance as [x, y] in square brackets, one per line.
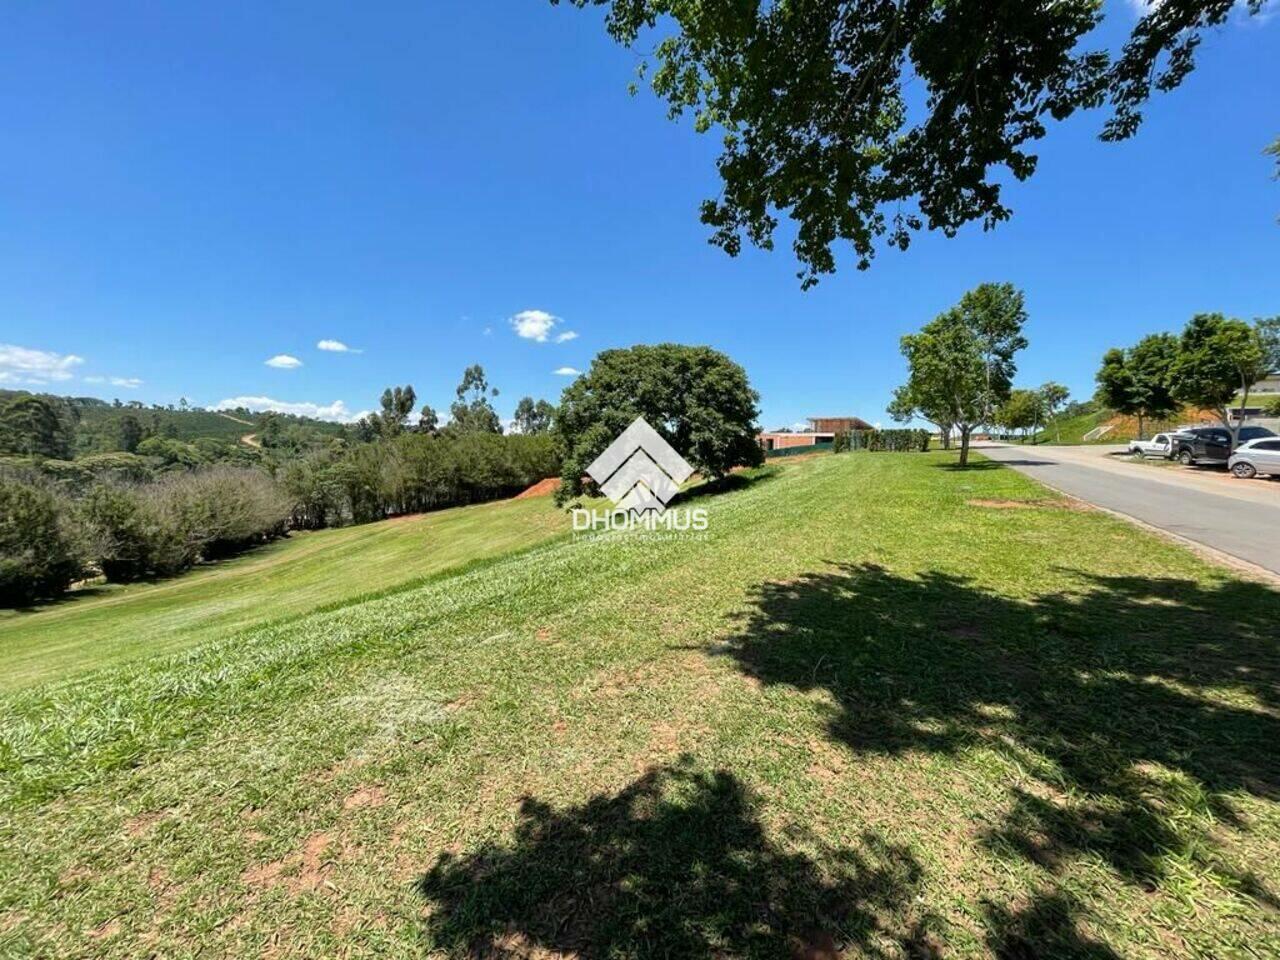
[251, 440]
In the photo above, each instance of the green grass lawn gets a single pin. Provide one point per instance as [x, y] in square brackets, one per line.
[105, 625]
[880, 710]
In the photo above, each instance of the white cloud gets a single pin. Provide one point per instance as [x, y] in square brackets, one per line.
[20, 365]
[336, 346]
[566, 372]
[131, 383]
[533, 324]
[282, 361]
[566, 336]
[488, 331]
[336, 411]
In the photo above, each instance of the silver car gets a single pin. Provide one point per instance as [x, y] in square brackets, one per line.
[1256, 456]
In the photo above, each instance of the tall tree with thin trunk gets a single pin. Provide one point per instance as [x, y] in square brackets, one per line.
[1052, 396]
[962, 362]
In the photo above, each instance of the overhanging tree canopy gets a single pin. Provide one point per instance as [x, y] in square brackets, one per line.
[867, 120]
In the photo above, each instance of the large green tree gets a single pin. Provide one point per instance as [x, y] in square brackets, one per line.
[962, 362]
[1219, 361]
[1136, 382]
[868, 120]
[696, 397]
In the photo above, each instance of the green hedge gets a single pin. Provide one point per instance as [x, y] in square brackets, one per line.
[883, 441]
[797, 451]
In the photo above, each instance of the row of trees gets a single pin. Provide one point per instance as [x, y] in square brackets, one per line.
[1212, 365]
[48, 539]
[1025, 410]
[413, 472]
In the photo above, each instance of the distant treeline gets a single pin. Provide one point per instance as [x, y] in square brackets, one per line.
[164, 504]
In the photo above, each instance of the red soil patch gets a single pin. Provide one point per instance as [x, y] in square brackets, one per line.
[305, 868]
[543, 488]
[365, 797]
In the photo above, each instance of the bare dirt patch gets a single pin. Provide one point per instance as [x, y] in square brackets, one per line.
[816, 945]
[137, 826]
[104, 930]
[365, 797]
[1054, 503]
[543, 488]
[300, 872]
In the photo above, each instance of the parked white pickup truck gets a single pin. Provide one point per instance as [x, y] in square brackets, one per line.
[1158, 446]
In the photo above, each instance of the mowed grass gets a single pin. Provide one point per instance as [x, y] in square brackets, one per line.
[865, 716]
[104, 625]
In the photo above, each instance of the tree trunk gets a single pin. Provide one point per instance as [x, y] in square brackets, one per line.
[1245, 385]
[1140, 431]
[964, 446]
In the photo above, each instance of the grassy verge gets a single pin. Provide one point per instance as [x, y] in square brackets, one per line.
[106, 625]
[885, 707]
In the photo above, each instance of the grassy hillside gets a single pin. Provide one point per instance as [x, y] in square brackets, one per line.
[880, 709]
[1073, 429]
[109, 624]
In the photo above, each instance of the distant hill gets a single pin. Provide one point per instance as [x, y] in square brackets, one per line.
[189, 424]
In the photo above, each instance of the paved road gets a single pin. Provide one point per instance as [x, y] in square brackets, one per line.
[1237, 517]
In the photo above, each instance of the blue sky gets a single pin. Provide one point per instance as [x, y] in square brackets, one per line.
[193, 189]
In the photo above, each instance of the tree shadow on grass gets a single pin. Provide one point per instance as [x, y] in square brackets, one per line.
[975, 466]
[730, 483]
[676, 864]
[1136, 707]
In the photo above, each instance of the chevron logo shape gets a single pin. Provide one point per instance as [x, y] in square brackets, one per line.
[640, 472]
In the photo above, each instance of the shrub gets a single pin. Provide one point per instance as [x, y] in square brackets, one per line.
[163, 528]
[40, 554]
[1271, 408]
[882, 441]
[122, 537]
[223, 509]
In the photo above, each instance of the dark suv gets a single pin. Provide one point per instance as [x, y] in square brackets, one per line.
[1210, 444]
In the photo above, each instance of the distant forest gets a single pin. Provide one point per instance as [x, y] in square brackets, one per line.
[129, 492]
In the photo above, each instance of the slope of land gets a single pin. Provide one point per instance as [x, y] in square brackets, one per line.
[870, 712]
[106, 625]
[1123, 428]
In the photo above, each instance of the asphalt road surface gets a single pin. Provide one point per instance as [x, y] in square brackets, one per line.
[1237, 517]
